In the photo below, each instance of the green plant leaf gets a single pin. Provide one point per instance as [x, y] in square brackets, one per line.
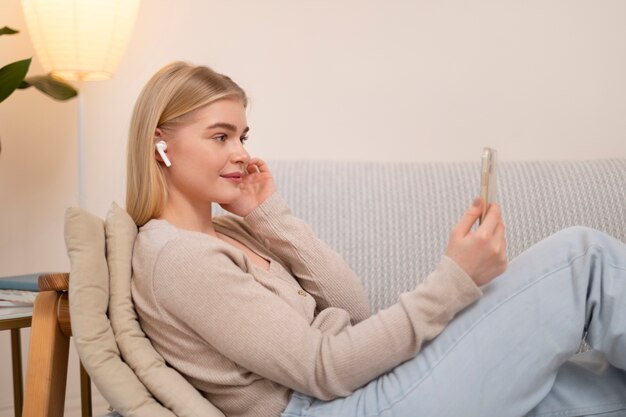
[53, 87]
[8, 31]
[11, 77]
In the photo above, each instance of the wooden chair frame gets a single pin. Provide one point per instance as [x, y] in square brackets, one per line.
[46, 376]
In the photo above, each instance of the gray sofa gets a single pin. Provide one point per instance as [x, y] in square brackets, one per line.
[391, 222]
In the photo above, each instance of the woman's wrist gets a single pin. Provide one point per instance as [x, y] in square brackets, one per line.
[272, 204]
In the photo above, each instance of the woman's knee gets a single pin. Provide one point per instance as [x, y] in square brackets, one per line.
[576, 233]
[569, 241]
[580, 239]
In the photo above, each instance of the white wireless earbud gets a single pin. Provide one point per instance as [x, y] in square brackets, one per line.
[161, 147]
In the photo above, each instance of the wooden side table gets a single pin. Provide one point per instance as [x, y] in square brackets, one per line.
[15, 319]
[48, 352]
[49, 319]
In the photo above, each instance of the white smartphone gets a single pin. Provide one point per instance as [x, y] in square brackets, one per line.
[488, 179]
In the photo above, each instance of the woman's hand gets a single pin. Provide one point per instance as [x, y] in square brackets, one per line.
[256, 186]
[481, 254]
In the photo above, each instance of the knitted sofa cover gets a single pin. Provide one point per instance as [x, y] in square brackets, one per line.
[391, 221]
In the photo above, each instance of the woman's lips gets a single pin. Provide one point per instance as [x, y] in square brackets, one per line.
[234, 177]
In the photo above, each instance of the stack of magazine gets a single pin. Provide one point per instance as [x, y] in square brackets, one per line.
[17, 295]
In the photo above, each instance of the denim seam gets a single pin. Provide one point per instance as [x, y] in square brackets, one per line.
[605, 408]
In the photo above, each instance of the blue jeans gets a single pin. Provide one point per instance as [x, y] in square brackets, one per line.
[512, 353]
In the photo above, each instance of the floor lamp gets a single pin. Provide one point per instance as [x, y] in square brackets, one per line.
[80, 40]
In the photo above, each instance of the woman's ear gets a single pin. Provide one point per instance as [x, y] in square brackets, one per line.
[158, 136]
[160, 146]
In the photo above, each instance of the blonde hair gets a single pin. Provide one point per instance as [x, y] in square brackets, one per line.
[165, 102]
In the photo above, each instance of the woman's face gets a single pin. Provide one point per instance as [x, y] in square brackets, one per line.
[204, 150]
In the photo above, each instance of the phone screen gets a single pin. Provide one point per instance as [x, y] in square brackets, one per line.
[488, 179]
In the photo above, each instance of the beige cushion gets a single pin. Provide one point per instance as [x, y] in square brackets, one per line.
[91, 330]
[167, 385]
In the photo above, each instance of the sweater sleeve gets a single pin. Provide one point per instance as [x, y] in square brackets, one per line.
[320, 271]
[206, 287]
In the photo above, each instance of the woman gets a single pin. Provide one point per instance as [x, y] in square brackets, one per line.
[266, 320]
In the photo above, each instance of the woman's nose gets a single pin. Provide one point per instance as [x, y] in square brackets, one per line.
[239, 153]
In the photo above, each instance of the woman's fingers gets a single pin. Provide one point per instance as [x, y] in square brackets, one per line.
[257, 165]
[492, 219]
[481, 254]
[256, 186]
[252, 168]
[500, 239]
[472, 214]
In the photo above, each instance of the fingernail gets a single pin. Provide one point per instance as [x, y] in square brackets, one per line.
[476, 202]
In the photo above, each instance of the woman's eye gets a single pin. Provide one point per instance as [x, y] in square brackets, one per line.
[244, 139]
[220, 138]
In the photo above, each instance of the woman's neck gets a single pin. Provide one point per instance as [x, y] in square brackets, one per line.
[184, 215]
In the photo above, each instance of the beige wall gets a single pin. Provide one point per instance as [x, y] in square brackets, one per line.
[363, 80]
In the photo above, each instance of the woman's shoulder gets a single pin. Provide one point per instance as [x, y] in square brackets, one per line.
[157, 234]
[162, 230]
[160, 240]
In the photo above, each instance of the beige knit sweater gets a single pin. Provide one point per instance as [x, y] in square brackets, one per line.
[247, 337]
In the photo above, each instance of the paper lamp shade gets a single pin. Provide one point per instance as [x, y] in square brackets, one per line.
[80, 39]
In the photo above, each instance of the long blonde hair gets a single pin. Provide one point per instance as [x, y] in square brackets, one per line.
[173, 92]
